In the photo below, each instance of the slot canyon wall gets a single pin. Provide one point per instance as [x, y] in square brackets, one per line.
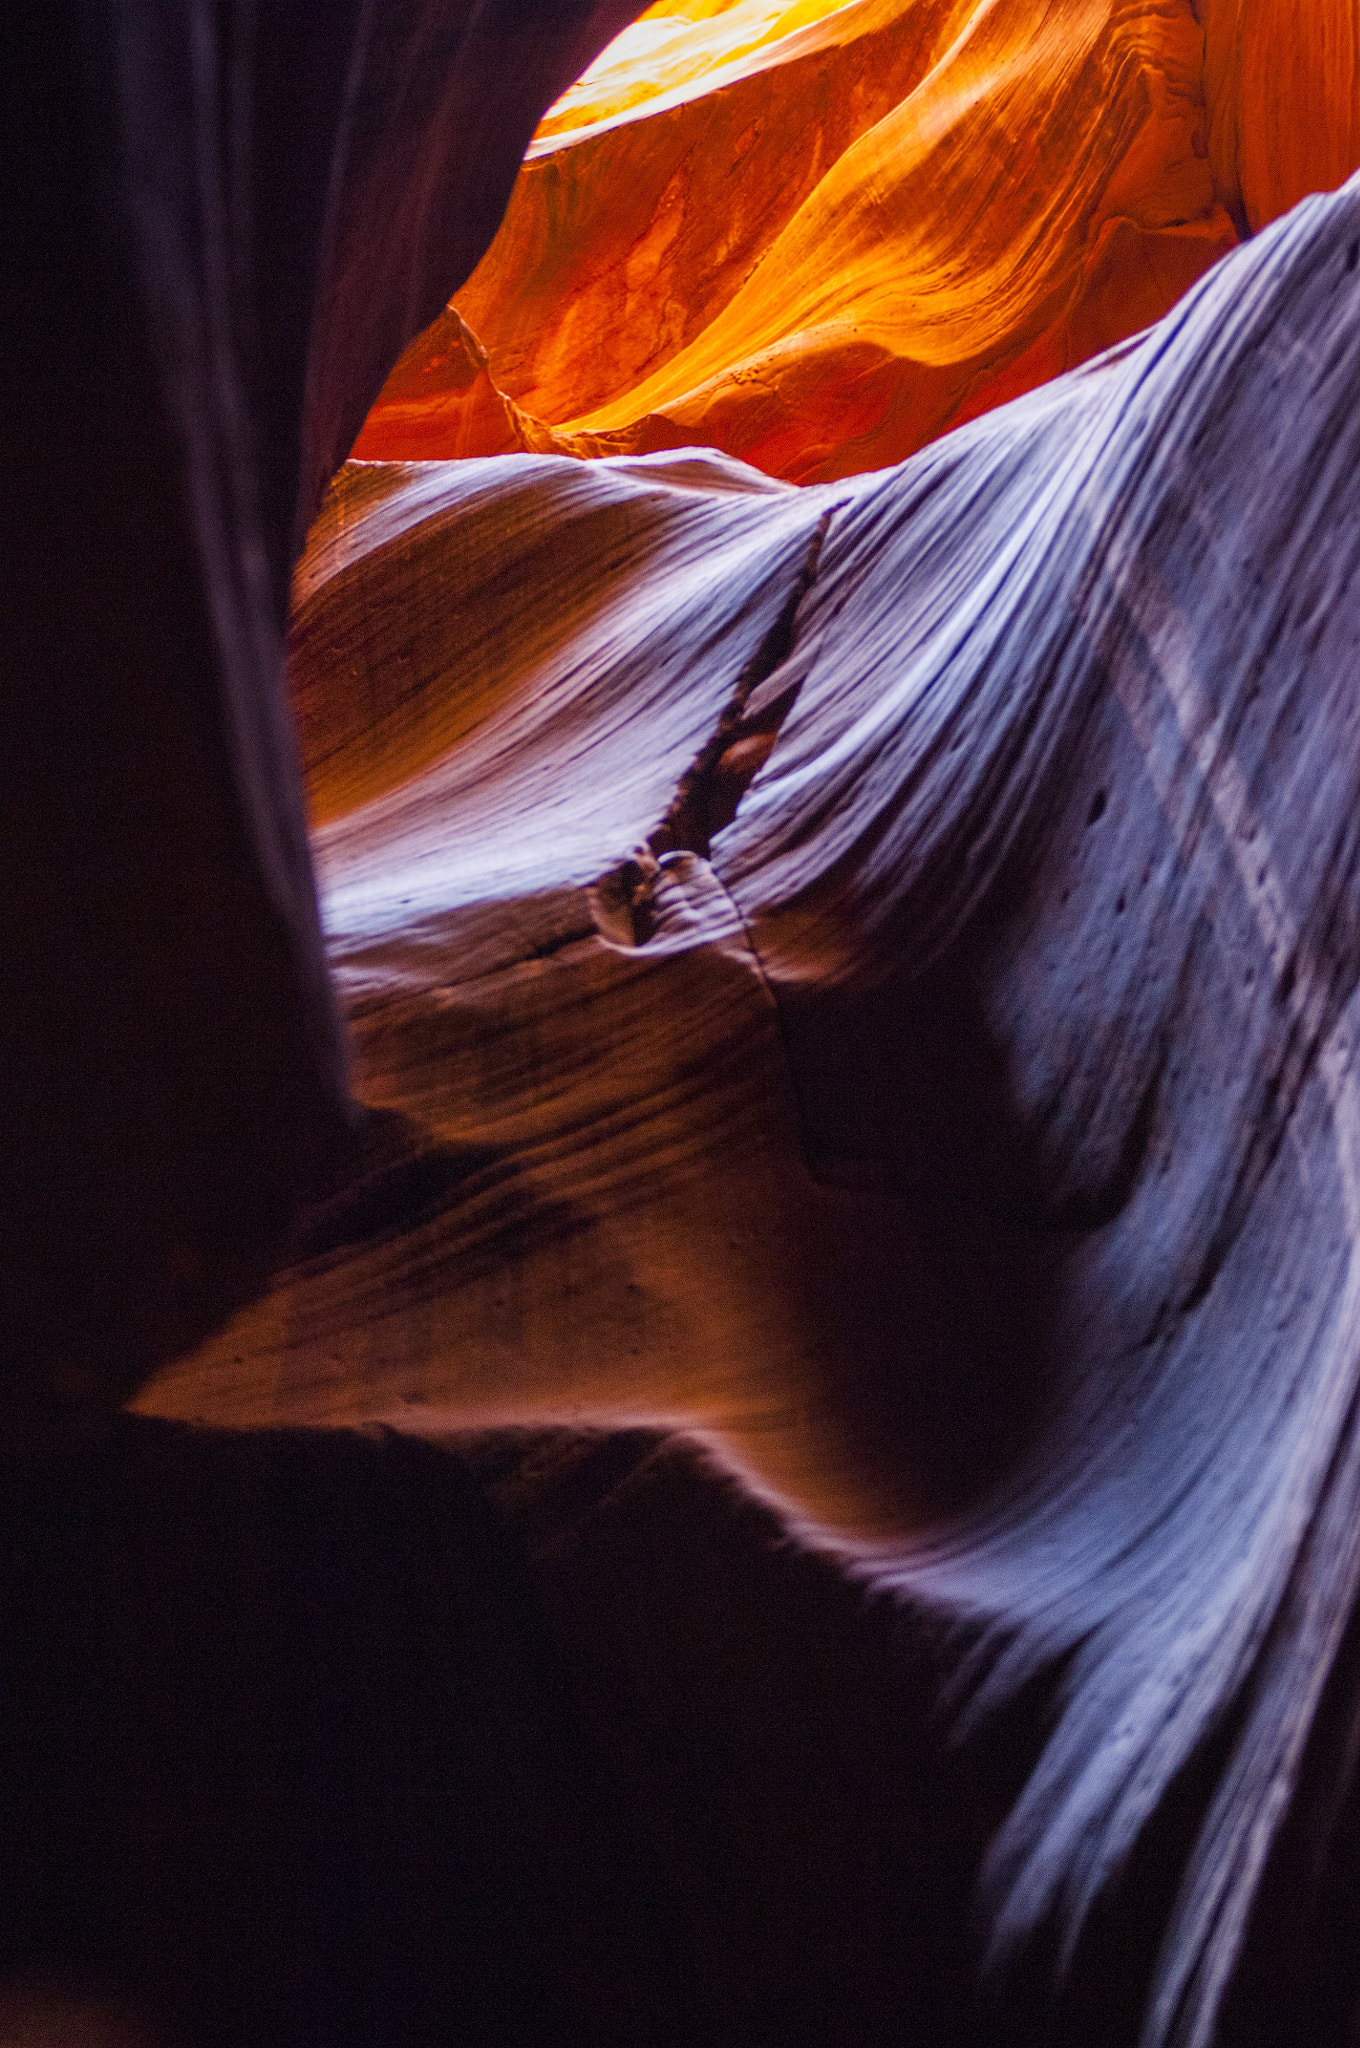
[818, 236]
[684, 1367]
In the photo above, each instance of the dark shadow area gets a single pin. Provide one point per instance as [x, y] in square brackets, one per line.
[1299, 1978]
[904, 1100]
[348, 1740]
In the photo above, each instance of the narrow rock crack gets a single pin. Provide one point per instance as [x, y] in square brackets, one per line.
[710, 791]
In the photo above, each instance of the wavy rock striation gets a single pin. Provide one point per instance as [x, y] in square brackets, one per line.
[817, 237]
[945, 878]
[865, 974]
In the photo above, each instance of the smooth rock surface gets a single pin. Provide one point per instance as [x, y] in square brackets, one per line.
[818, 237]
[526, 1736]
[963, 1132]
[865, 975]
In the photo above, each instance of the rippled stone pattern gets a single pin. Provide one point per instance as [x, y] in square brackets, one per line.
[851, 1194]
[869, 972]
[816, 237]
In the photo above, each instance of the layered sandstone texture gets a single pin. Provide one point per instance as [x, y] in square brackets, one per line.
[866, 973]
[869, 972]
[818, 236]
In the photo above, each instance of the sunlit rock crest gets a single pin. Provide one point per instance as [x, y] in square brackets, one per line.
[817, 237]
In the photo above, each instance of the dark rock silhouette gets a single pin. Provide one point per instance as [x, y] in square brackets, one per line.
[225, 224]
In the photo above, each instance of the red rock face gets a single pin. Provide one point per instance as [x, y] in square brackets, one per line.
[1283, 92]
[817, 238]
[34, 2014]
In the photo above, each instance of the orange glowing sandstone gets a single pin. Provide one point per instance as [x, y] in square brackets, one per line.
[817, 237]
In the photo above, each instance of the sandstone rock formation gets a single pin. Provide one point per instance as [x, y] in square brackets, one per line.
[1284, 108]
[519, 1737]
[848, 1203]
[876, 964]
[817, 237]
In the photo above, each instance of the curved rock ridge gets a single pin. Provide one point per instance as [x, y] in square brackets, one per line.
[628, 234]
[816, 238]
[871, 972]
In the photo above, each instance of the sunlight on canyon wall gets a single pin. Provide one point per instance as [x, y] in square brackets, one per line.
[817, 237]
